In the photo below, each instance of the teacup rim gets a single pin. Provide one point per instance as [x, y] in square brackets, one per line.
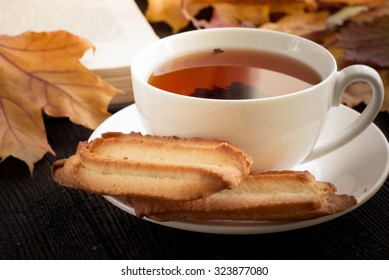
[235, 29]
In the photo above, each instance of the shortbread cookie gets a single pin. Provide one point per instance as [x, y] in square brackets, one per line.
[270, 196]
[153, 167]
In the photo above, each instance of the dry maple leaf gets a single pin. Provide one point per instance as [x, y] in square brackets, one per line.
[178, 13]
[300, 25]
[169, 11]
[42, 72]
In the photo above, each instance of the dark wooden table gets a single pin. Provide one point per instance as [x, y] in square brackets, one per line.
[42, 220]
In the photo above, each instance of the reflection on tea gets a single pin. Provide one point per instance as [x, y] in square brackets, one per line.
[233, 74]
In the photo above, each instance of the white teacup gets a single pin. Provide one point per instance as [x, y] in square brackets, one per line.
[277, 132]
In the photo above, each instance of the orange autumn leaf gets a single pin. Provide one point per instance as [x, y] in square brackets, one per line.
[41, 72]
[300, 25]
[242, 14]
[169, 11]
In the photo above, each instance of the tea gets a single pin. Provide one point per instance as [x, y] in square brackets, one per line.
[233, 74]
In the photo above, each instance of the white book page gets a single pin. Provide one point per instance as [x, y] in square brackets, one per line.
[117, 28]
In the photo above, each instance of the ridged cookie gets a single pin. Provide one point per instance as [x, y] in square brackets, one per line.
[153, 167]
[270, 196]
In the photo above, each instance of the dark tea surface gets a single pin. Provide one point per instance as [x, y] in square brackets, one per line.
[233, 74]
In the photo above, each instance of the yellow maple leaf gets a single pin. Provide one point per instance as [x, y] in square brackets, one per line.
[42, 72]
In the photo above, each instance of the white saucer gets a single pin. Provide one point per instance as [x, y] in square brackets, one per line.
[360, 168]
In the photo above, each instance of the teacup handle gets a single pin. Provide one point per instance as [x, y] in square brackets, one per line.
[344, 78]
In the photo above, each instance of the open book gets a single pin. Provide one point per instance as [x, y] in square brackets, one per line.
[117, 28]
